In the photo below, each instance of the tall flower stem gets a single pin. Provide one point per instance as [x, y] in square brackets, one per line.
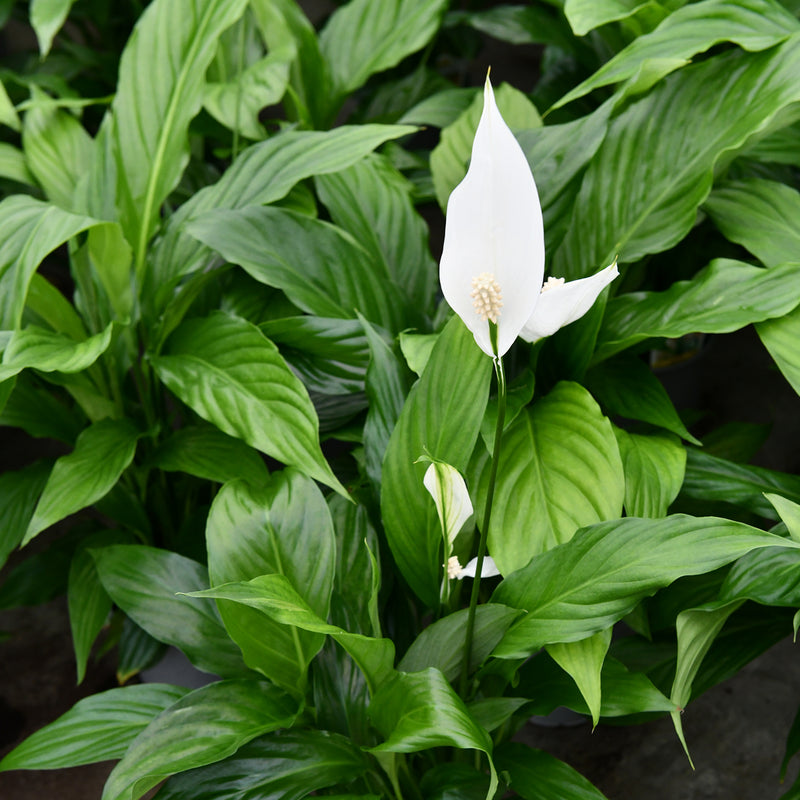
[487, 515]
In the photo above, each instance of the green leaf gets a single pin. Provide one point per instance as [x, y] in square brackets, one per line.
[654, 468]
[770, 577]
[230, 374]
[143, 582]
[8, 114]
[752, 24]
[536, 775]
[586, 15]
[600, 575]
[35, 230]
[627, 387]
[441, 644]
[37, 348]
[58, 150]
[208, 453]
[372, 201]
[138, 650]
[111, 256]
[13, 165]
[362, 37]
[97, 728]
[262, 174]
[518, 24]
[102, 453]
[441, 417]
[789, 513]
[559, 470]
[642, 189]
[47, 17]
[46, 303]
[723, 297]
[20, 491]
[780, 337]
[710, 478]
[441, 109]
[583, 660]
[256, 532]
[284, 764]
[322, 269]
[220, 718]
[450, 158]
[159, 91]
[418, 711]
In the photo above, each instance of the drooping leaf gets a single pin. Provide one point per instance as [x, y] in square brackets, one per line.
[143, 582]
[441, 417]
[47, 17]
[97, 728]
[228, 372]
[559, 470]
[258, 532]
[102, 453]
[203, 727]
[600, 575]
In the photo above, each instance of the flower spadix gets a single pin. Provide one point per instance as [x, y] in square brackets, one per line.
[493, 258]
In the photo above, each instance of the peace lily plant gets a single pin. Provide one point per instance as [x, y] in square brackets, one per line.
[278, 451]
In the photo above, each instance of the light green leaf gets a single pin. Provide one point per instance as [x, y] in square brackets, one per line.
[45, 301]
[37, 348]
[416, 349]
[536, 775]
[586, 15]
[144, 582]
[780, 337]
[98, 728]
[285, 764]
[450, 158]
[372, 201]
[34, 229]
[160, 89]
[228, 372]
[723, 297]
[102, 453]
[20, 491]
[600, 575]
[789, 513]
[627, 387]
[440, 109]
[752, 24]
[583, 660]
[262, 174]
[208, 453]
[710, 478]
[654, 468]
[8, 114]
[642, 189]
[441, 644]
[112, 257]
[205, 726]
[441, 417]
[520, 24]
[363, 37]
[58, 150]
[47, 17]
[559, 470]
[14, 166]
[256, 532]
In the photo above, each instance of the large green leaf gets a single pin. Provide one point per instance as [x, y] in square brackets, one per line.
[143, 582]
[723, 297]
[102, 453]
[159, 91]
[34, 229]
[600, 575]
[752, 24]
[441, 417]
[536, 775]
[285, 529]
[322, 269]
[559, 470]
[262, 174]
[284, 764]
[654, 467]
[205, 726]
[227, 371]
[641, 191]
[33, 347]
[364, 37]
[20, 492]
[770, 577]
[97, 728]
[710, 478]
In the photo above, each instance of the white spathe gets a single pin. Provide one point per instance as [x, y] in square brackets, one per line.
[493, 256]
[488, 569]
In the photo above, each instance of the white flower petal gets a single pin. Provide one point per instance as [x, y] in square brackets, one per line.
[488, 569]
[449, 493]
[561, 304]
[494, 226]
